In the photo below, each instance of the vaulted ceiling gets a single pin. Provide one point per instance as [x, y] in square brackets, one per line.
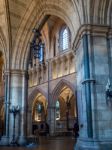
[19, 17]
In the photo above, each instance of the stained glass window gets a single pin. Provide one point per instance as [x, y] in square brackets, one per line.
[57, 110]
[64, 39]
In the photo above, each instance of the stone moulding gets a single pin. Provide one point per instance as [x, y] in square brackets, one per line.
[94, 30]
[88, 80]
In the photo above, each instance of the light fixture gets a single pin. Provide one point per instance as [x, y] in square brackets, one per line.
[36, 48]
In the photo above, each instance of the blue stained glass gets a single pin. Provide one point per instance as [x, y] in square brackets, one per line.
[57, 105]
[41, 57]
[39, 108]
[65, 39]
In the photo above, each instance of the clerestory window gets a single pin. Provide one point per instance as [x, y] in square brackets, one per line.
[64, 39]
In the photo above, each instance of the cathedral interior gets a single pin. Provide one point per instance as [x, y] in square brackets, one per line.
[56, 74]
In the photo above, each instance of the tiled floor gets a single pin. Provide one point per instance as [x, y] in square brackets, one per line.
[60, 143]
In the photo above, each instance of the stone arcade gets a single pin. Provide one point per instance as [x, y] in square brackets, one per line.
[59, 76]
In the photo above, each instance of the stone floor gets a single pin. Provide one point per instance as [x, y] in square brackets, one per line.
[59, 143]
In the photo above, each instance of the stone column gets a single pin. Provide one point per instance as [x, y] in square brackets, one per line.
[5, 138]
[49, 76]
[50, 69]
[87, 86]
[18, 97]
[85, 77]
[109, 45]
[24, 106]
[29, 121]
[93, 62]
[52, 120]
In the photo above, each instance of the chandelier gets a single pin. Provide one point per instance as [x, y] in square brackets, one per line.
[36, 48]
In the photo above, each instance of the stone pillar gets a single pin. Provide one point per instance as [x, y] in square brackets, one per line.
[85, 140]
[87, 85]
[29, 121]
[109, 45]
[16, 95]
[52, 120]
[50, 69]
[24, 106]
[49, 76]
[93, 67]
[5, 137]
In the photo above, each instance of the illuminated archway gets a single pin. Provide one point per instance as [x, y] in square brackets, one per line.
[39, 108]
[65, 104]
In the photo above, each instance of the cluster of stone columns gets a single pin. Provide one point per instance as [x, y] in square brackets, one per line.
[16, 88]
[93, 67]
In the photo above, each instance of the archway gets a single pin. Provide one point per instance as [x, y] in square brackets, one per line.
[39, 114]
[22, 46]
[42, 72]
[43, 9]
[65, 108]
[68, 112]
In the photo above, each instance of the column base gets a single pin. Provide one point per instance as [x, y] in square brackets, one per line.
[4, 141]
[93, 144]
[22, 141]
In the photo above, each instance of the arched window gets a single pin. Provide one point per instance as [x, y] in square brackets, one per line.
[57, 110]
[41, 55]
[39, 110]
[64, 38]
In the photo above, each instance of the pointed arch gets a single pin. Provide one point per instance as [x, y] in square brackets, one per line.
[3, 47]
[34, 93]
[109, 14]
[100, 12]
[59, 87]
[30, 20]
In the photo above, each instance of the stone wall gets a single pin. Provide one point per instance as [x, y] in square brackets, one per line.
[93, 68]
[102, 73]
[81, 102]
